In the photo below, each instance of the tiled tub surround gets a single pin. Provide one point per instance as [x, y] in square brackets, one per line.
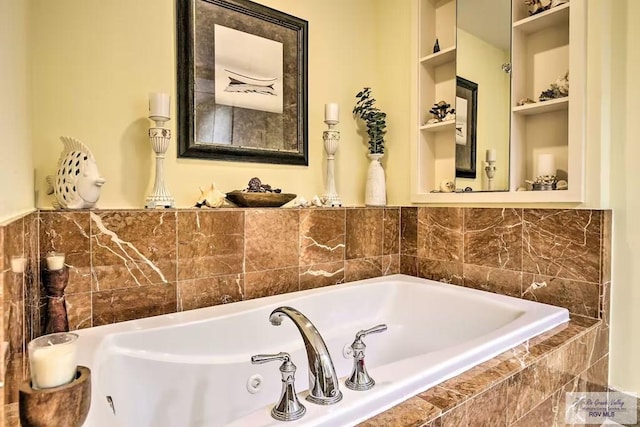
[131, 264]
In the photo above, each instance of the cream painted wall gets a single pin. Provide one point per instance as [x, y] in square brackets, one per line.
[624, 194]
[480, 62]
[96, 62]
[16, 165]
[94, 66]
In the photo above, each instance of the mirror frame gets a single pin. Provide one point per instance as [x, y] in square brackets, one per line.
[247, 15]
[468, 90]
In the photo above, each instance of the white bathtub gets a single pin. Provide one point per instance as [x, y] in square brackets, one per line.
[192, 368]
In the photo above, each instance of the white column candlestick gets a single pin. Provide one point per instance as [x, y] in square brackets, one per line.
[331, 138]
[160, 138]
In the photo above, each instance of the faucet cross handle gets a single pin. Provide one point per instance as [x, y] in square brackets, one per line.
[288, 407]
[359, 379]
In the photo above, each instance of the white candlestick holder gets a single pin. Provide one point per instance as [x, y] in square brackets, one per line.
[160, 138]
[490, 170]
[331, 138]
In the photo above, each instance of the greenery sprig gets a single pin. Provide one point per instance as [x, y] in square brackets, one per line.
[374, 118]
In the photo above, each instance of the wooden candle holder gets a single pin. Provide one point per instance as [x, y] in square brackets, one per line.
[66, 405]
[56, 283]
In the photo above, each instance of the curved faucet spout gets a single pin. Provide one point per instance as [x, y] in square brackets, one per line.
[323, 381]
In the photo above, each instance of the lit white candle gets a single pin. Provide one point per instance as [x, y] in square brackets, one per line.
[159, 104]
[331, 112]
[52, 359]
[18, 263]
[546, 165]
[491, 155]
[55, 261]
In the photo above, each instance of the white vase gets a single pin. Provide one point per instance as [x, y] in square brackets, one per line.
[376, 188]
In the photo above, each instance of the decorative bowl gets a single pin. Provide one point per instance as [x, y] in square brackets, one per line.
[259, 200]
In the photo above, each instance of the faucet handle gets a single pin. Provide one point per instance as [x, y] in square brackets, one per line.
[375, 330]
[288, 407]
[265, 358]
[359, 379]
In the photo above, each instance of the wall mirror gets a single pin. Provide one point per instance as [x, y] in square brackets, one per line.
[483, 55]
[242, 82]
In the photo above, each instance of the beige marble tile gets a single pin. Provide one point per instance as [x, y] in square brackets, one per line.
[133, 248]
[442, 398]
[260, 284]
[363, 268]
[409, 231]
[562, 243]
[210, 243]
[409, 265]
[390, 264]
[493, 237]
[119, 305]
[69, 233]
[441, 271]
[440, 234]
[582, 298]
[320, 275]
[322, 236]
[497, 280]
[199, 293]
[413, 412]
[364, 233]
[79, 311]
[271, 239]
[489, 408]
[391, 233]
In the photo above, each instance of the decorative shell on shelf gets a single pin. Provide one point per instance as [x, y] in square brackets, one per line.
[211, 197]
[447, 186]
[77, 182]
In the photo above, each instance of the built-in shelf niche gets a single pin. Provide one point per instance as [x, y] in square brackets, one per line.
[544, 47]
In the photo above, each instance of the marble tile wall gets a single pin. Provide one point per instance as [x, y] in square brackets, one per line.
[555, 256]
[131, 264]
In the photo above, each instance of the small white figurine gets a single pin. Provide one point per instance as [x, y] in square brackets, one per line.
[211, 197]
[77, 182]
[447, 186]
[316, 201]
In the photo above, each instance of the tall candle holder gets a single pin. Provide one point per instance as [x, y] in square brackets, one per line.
[490, 170]
[57, 278]
[159, 137]
[331, 138]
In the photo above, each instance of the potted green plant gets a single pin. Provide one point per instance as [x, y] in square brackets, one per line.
[373, 117]
[376, 122]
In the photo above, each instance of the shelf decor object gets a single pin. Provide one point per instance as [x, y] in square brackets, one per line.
[331, 138]
[65, 405]
[490, 168]
[159, 137]
[56, 277]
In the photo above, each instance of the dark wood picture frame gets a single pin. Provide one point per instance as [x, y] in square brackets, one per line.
[285, 133]
[466, 154]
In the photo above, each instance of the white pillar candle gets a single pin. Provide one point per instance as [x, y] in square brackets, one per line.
[55, 261]
[491, 155]
[18, 263]
[159, 104]
[331, 112]
[546, 165]
[52, 359]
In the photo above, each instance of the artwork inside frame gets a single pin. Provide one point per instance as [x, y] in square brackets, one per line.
[466, 127]
[242, 82]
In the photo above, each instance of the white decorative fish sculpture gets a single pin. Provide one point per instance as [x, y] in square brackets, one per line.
[77, 183]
